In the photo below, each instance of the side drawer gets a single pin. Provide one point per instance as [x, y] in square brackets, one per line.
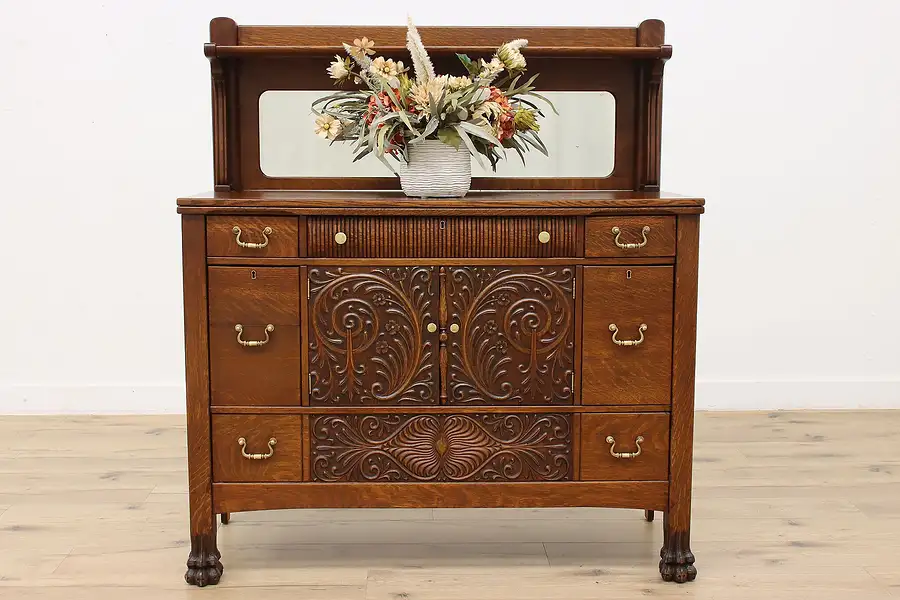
[441, 447]
[255, 448]
[259, 237]
[640, 442]
[627, 335]
[260, 364]
[629, 236]
[436, 237]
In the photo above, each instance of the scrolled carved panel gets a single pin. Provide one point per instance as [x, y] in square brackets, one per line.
[441, 447]
[369, 339]
[515, 340]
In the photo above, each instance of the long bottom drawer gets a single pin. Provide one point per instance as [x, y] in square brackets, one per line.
[441, 447]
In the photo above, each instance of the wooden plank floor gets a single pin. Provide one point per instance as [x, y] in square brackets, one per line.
[786, 505]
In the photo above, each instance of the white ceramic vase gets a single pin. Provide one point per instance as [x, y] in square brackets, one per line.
[436, 170]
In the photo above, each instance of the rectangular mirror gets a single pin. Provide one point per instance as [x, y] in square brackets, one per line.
[581, 140]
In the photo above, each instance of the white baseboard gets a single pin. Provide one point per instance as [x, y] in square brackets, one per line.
[711, 395]
[797, 394]
[91, 399]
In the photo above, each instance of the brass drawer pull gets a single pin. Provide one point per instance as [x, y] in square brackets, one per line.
[616, 232]
[243, 444]
[454, 328]
[431, 328]
[340, 238]
[624, 455]
[544, 237]
[637, 342]
[237, 237]
[253, 343]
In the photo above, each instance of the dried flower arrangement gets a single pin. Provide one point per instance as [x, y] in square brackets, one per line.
[486, 111]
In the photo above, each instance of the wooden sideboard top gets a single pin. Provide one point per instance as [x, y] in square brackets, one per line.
[488, 202]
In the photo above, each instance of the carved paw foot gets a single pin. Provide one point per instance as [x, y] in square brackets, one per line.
[676, 560]
[203, 564]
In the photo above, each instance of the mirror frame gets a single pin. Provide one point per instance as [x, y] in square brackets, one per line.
[626, 62]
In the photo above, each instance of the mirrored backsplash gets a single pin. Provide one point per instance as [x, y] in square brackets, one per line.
[580, 140]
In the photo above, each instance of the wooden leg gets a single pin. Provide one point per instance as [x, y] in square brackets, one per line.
[676, 559]
[203, 565]
[648, 516]
[226, 517]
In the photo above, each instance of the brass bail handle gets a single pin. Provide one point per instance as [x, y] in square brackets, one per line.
[624, 455]
[253, 343]
[617, 232]
[637, 342]
[265, 234]
[242, 442]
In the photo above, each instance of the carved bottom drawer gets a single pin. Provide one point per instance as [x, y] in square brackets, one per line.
[256, 448]
[625, 447]
[441, 447]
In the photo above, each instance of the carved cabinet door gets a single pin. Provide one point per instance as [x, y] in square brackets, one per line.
[373, 336]
[510, 336]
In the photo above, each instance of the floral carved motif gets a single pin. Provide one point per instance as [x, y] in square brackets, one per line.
[367, 336]
[515, 343]
[471, 447]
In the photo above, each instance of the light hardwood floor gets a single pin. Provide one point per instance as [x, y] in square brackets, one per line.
[786, 505]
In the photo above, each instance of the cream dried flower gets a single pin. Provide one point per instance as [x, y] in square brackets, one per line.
[386, 67]
[511, 56]
[364, 46]
[328, 127]
[420, 92]
[489, 70]
[458, 83]
[339, 69]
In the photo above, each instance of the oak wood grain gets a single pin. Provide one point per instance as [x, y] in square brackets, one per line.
[613, 374]
[254, 296]
[230, 465]
[600, 239]
[222, 241]
[266, 375]
[599, 464]
[678, 558]
[233, 497]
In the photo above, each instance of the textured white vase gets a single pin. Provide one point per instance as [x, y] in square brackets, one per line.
[436, 170]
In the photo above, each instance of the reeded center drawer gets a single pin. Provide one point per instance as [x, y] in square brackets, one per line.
[435, 237]
[260, 237]
[627, 341]
[625, 447]
[629, 236]
[256, 448]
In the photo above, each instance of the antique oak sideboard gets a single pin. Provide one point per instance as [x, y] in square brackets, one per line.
[530, 345]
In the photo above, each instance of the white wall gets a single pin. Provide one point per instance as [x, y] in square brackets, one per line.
[784, 115]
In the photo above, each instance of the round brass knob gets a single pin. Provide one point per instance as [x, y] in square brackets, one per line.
[431, 328]
[544, 237]
[454, 328]
[340, 238]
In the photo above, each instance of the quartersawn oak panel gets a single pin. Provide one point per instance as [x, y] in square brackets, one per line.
[254, 295]
[433, 237]
[441, 447]
[598, 464]
[266, 375]
[599, 240]
[627, 375]
[283, 241]
[516, 338]
[285, 463]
